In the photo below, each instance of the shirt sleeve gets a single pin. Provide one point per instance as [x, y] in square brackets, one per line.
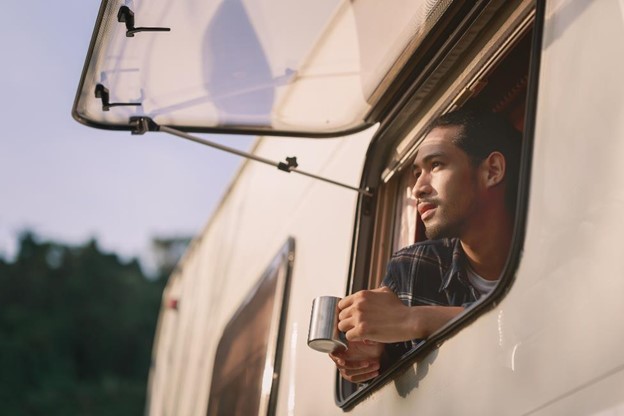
[390, 278]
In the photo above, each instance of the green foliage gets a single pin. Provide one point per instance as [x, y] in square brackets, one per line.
[76, 329]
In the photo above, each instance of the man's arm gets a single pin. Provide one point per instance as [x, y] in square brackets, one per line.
[378, 315]
[371, 318]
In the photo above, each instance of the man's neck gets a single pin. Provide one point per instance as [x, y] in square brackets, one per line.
[487, 247]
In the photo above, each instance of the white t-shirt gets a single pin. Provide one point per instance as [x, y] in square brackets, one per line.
[483, 286]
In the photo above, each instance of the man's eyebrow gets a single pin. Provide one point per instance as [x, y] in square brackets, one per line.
[428, 157]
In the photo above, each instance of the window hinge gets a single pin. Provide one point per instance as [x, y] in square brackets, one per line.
[103, 94]
[125, 15]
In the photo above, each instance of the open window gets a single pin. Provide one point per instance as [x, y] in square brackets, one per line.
[271, 67]
[503, 91]
[494, 66]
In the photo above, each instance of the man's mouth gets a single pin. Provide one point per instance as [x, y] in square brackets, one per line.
[426, 210]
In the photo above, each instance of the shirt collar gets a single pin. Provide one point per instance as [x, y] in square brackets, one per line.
[457, 270]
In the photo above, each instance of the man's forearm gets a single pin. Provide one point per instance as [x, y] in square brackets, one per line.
[425, 320]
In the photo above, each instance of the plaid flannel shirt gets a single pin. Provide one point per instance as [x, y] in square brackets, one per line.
[429, 273]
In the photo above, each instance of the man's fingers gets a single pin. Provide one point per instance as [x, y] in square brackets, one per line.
[361, 378]
[357, 375]
[358, 332]
[345, 325]
[338, 360]
[358, 367]
[359, 363]
[345, 302]
[355, 330]
[344, 314]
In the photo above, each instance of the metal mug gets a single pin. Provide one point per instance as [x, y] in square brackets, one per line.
[323, 334]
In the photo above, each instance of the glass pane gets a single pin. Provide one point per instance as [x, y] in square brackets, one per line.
[247, 359]
[269, 65]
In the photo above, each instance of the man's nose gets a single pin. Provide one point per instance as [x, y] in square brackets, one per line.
[422, 187]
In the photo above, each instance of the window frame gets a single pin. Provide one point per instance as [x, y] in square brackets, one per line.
[362, 262]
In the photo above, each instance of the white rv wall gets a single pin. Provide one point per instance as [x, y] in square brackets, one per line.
[263, 208]
[552, 346]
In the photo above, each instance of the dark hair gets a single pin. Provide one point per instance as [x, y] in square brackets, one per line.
[482, 133]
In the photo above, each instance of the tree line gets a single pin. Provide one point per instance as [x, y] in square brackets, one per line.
[76, 330]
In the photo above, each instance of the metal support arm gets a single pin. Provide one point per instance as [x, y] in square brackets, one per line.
[144, 124]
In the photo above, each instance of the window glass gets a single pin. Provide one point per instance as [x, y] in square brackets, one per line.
[248, 356]
[265, 66]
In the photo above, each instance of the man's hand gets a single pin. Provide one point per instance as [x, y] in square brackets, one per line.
[360, 362]
[373, 315]
[370, 318]
[378, 315]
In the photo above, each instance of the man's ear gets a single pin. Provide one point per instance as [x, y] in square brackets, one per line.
[493, 169]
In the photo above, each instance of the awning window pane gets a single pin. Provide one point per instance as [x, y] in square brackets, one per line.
[268, 65]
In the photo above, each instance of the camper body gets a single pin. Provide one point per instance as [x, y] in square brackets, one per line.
[549, 340]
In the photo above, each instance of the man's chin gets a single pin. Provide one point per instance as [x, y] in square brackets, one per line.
[435, 231]
[432, 232]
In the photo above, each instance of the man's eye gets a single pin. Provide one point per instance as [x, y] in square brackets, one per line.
[435, 164]
[416, 172]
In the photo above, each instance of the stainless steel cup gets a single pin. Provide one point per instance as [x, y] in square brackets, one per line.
[323, 334]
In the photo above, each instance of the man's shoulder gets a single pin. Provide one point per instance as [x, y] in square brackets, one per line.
[420, 268]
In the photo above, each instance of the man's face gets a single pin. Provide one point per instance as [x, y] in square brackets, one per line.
[446, 185]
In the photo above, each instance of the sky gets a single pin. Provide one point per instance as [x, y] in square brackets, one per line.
[71, 183]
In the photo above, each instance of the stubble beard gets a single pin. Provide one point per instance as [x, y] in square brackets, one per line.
[438, 231]
[443, 228]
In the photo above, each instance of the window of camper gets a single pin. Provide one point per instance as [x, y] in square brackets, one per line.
[247, 361]
[311, 68]
[496, 74]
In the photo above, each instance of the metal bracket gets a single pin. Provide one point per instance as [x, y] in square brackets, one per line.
[125, 15]
[102, 93]
[141, 125]
[291, 163]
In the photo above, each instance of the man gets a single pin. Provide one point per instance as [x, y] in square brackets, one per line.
[466, 186]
